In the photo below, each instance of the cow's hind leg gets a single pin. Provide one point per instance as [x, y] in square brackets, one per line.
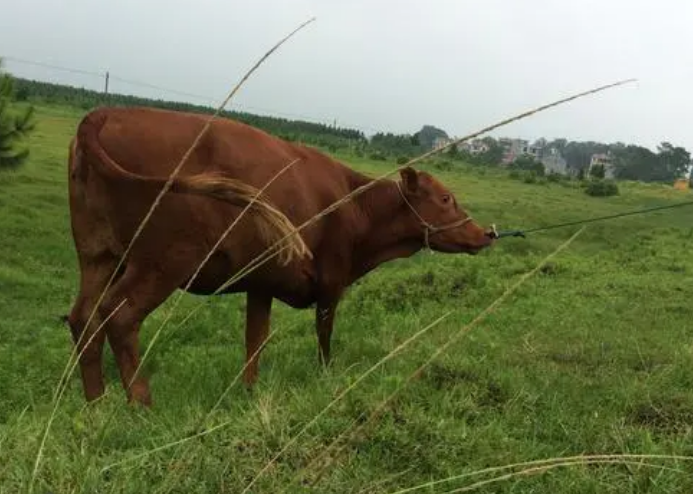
[258, 310]
[89, 339]
[136, 295]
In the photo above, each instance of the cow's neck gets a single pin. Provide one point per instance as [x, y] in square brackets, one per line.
[389, 231]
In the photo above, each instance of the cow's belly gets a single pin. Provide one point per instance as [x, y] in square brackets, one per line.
[295, 284]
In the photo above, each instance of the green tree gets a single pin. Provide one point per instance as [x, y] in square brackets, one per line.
[15, 124]
[635, 163]
[494, 154]
[428, 134]
[598, 171]
[639, 163]
[579, 154]
[674, 161]
[558, 144]
[528, 163]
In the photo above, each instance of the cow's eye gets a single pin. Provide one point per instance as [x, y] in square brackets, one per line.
[446, 199]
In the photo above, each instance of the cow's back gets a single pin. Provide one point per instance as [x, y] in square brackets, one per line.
[152, 142]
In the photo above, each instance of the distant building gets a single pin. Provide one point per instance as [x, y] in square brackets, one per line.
[536, 150]
[514, 148]
[604, 160]
[440, 142]
[477, 146]
[554, 163]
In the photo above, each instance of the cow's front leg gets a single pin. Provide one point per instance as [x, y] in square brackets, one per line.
[258, 308]
[324, 323]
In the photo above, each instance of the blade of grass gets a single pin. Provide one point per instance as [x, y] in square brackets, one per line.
[543, 462]
[546, 468]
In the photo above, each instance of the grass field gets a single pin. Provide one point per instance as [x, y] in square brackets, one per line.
[593, 355]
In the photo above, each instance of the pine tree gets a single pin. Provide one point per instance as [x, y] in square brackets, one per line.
[15, 124]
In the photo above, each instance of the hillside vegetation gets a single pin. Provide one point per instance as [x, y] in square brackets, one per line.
[592, 355]
[628, 161]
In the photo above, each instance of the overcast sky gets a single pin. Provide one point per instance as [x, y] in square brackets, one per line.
[390, 65]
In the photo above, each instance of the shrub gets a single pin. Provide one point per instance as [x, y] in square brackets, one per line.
[378, 156]
[15, 125]
[554, 177]
[443, 165]
[529, 177]
[528, 163]
[601, 188]
[402, 160]
[598, 172]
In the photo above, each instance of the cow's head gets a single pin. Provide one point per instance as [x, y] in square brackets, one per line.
[443, 224]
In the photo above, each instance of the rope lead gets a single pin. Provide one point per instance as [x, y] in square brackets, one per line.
[523, 233]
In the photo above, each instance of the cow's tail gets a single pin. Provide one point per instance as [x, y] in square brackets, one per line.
[274, 226]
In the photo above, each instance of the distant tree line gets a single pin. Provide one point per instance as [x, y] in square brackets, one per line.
[294, 130]
[630, 162]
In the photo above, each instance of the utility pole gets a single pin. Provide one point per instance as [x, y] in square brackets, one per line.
[105, 91]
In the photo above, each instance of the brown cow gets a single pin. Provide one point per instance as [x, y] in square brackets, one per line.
[120, 159]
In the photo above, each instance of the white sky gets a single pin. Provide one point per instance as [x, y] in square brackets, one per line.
[390, 65]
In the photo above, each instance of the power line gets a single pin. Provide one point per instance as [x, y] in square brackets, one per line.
[54, 67]
[161, 88]
[207, 99]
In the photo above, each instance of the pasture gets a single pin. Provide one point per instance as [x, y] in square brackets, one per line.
[594, 355]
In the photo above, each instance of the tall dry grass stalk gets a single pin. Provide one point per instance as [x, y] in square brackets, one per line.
[174, 473]
[271, 223]
[343, 393]
[542, 466]
[106, 423]
[336, 400]
[200, 423]
[266, 256]
[192, 279]
[62, 385]
[177, 301]
[204, 262]
[350, 433]
[381, 482]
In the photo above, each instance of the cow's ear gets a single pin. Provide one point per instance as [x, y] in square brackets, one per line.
[410, 179]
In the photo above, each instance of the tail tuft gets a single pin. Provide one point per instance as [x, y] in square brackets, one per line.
[273, 224]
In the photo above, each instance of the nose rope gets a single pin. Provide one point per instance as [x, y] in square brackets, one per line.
[429, 228]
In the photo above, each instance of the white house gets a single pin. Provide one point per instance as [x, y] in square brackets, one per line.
[604, 160]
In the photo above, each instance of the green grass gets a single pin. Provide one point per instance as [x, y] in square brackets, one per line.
[593, 355]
